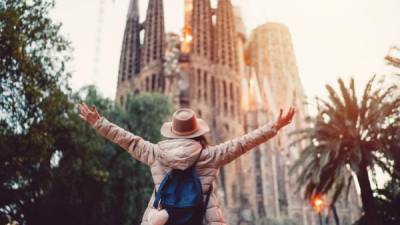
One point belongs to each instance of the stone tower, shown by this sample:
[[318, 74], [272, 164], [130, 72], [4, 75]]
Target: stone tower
[[200, 72], [227, 78], [229, 115], [272, 59], [151, 74], [271, 54], [201, 24], [129, 66]]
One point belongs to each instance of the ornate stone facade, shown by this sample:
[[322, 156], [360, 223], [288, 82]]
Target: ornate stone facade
[[277, 84], [129, 66], [236, 84]]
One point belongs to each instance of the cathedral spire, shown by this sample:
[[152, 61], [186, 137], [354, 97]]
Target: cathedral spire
[[133, 11], [201, 23], [225, 36], [154, 37], [130, 53]]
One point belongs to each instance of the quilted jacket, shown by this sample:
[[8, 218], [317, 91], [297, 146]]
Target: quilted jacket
[[182, 153]]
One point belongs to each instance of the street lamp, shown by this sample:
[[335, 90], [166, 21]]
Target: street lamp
[[318, 203]]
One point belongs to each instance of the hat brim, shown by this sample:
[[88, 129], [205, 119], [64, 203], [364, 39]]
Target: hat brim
[[166, 130]]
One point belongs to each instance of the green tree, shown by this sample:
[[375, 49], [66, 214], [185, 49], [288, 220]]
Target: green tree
[[53, 168], [96, 182], [350, 136], [32, 65], [388, 202], [32, 102]]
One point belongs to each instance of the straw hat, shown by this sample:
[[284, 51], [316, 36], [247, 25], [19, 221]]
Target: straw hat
[[184, 125]]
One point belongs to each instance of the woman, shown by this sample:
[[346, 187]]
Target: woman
[[185, 146]]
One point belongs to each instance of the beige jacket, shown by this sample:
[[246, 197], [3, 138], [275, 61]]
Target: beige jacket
[[182, 153]]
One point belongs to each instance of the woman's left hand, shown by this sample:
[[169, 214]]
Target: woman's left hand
[[286, 119]]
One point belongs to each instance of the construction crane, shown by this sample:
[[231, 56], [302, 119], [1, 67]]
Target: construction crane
[[98, 40]]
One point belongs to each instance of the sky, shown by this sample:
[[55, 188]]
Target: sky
[[331, 38]]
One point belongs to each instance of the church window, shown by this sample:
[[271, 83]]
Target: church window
[[198, 84], [224, 89], [205, 91], [154, 54], [225, 107], [225, 97], [153, 82], [121, 100], [238, 97], [231, 92], [213, 90], [234, 193], [147, 84]]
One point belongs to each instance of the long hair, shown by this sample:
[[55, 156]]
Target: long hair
[[202, 140]]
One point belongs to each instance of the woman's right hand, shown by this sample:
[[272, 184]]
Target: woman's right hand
[[286, 119], [90, 116]]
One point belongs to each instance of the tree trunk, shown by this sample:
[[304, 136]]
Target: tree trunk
[[367, 197]]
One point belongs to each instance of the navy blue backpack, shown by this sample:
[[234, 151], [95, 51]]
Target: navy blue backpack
[[180, 194]]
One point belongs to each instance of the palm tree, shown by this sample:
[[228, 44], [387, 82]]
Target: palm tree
[[391, 59], [350, 137]]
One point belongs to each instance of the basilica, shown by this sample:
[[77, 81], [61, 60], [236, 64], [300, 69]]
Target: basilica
[[236, 82]]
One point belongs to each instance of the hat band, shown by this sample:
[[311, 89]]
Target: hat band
[[180, 133]]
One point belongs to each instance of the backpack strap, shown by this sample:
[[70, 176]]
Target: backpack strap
[[157, 199], [207, 200], [198, 158]]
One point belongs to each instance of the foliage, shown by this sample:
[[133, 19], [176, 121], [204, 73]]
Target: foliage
[[90, 180], [393, 59], [32, 102], [350, 136], [55, 169], [98, 183], [388, 201], [32, 69], [388, 204]]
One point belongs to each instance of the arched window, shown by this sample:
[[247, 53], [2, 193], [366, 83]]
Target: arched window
[[231, 92], [238, 100], [121, 100], [213, 90], [224, 88], [205, 88], [153, 82], [232, 99], [147, 84], [234, 191], [198, 84]]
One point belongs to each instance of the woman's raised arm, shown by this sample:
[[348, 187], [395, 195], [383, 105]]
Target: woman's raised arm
[[140, 149], [230, 150]]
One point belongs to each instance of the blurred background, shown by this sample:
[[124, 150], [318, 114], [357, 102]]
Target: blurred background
[[236, 63]]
